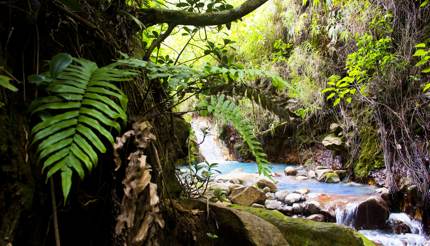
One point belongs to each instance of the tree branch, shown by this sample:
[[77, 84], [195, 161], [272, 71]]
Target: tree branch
[[180, 17], [158, 41]]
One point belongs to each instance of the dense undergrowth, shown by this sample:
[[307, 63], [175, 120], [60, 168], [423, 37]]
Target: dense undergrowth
[[281, 78]]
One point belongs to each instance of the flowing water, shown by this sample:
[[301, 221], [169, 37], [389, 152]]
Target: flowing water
[[343, 196], [211, 148]]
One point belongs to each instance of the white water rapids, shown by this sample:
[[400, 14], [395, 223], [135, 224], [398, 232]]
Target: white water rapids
[[346, 216]]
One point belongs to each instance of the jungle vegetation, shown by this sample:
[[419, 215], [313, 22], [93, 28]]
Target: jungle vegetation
[[80, 79]]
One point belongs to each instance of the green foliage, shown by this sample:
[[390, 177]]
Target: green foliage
[[424, 3], [5, 82], [371, 57], [281, 50], [219, 195], [82, 106], [423, 53], [204, 6], [195, 179], [179, 77], [227, 111], [370, 156]]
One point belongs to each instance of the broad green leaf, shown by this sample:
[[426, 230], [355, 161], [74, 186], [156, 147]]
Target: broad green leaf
[[55, 147], [84, 145], [75, 164], [55, 158], [92, 137], [66, 182], [53, 129], [5, 82], [59, 63], [94, 124], [82, 156], [56, 138], [54, 119], [420, 52], [57, 105], [426, 87]]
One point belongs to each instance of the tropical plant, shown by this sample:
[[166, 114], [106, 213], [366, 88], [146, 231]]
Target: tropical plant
[[5, 82], [225, 110], [423, 53], [83, 104], [196, 177], [372, 56]]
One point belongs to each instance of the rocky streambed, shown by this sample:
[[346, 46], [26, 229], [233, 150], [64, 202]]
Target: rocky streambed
[[317, 195]]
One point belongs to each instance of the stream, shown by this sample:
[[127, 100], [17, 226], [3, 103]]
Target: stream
[[345, 197]]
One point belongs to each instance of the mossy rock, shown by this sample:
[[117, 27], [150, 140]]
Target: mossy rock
[[303, 232], [331, 177], [370, 156]]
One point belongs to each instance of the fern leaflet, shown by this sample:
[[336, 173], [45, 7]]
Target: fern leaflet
[[226, 110]]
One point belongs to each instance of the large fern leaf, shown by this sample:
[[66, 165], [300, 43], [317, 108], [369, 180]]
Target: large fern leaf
[[225, 110], [83, 105]]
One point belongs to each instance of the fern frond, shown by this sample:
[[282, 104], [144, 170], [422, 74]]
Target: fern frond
[[267, 101], [227, 111], [84, 105]]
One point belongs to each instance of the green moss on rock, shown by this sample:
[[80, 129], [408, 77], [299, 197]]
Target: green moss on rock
[[303, 232], [370, 156]]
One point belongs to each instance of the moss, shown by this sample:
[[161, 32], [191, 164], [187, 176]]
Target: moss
[[331, 177], [370, 156], [303, 232], [366, 241]]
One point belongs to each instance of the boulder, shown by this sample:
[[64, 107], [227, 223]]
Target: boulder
[[248, 196], [293, 198], [235, 186], [238, 177], [233, 227], [290, 171], [237, 190], [303, 191], [225, 187], [332, 140], [316, 217], [280, 195], [306, 232], [273, 204], [400, 227], [329, 177], [270, 196], [371, 214], [312, 207], [297, 208], [320, 172], [334, 127], [266, 190], [265, 183], [384, 192], [287, 209]]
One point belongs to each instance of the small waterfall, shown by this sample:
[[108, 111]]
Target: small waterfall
[[211, 147], [346, 215], [415, 226]]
